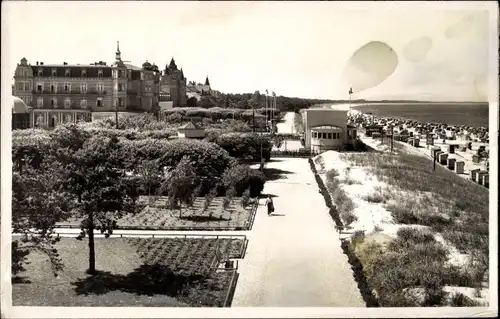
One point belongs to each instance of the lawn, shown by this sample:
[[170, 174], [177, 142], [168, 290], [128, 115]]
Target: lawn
[[162, 272], [158, 217]]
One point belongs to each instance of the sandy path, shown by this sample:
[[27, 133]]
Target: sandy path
[[295, 259], [287, 127]]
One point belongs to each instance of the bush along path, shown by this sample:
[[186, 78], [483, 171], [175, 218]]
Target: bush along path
[[366, 291]]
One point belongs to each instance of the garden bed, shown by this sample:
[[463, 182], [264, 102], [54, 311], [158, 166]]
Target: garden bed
[[132, 272], [157, 217], [381, 196]]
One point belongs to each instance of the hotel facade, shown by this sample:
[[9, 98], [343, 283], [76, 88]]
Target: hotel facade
[[59, 93]]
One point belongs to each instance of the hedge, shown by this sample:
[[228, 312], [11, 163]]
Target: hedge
[[245, 146]]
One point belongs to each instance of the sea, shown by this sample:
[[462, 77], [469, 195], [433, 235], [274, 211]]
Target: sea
[[461, 113]]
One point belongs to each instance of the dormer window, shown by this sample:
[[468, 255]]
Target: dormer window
[[99, 73], [66, 72], [53, 72], [84, 72]]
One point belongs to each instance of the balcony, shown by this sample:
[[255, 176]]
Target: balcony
[[72, 91], [95, 91]]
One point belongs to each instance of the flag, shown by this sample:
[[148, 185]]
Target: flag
[[267, 92], [350, 91]]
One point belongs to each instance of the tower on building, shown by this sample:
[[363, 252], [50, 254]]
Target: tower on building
[[118, 54]]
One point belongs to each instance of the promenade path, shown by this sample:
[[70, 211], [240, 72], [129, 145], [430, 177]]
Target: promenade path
[[295, 258]]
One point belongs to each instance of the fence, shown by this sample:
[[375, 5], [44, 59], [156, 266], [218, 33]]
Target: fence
[[143, 235], [301, 154], [232, 287]]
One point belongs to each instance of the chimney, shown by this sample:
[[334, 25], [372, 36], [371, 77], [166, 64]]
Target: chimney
[[36, 62], [65, 63], [41, 63]]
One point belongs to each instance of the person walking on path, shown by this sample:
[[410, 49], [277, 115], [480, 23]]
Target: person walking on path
[[270, 205]]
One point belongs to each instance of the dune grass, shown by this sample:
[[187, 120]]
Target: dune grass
[[415, 194]]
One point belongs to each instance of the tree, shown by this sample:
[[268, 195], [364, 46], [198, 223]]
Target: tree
[[245, 199], [38, 203], [149, 171], [192, 101], [256, 97], [181, 185], [278, 141], [209, 197], [206, 102], [230, 193], [101, 189]]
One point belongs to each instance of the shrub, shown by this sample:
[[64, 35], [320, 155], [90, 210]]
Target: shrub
[[331, 174], [226, 202], [412, 260], [208, 159], [342, 201], [209, 197], [245, 199], [174, 118], [460, 300], [358, 238], [348, 217], [243, 145], [243, 178], [402, 213], [331, 182], [375, 198]]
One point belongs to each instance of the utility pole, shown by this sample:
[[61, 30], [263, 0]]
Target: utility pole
[[116, 114], [253, 118], [392, 137]]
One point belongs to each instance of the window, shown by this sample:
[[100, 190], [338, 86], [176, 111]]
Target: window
[[39, 87], [313, 134], [53, 102], [120, 87], [99, 73], [99, 102], [39, 120], [53, 88], [120, 101], [27, 86], [83, 87], [28, 100], [84, 72], [67, 102], [40, 72], [39, 102], [83, 103], [67, 87], [67, 72], [100, 87], [330, 136], [53, 72]]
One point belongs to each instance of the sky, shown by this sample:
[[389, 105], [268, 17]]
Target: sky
[[302, 49]]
